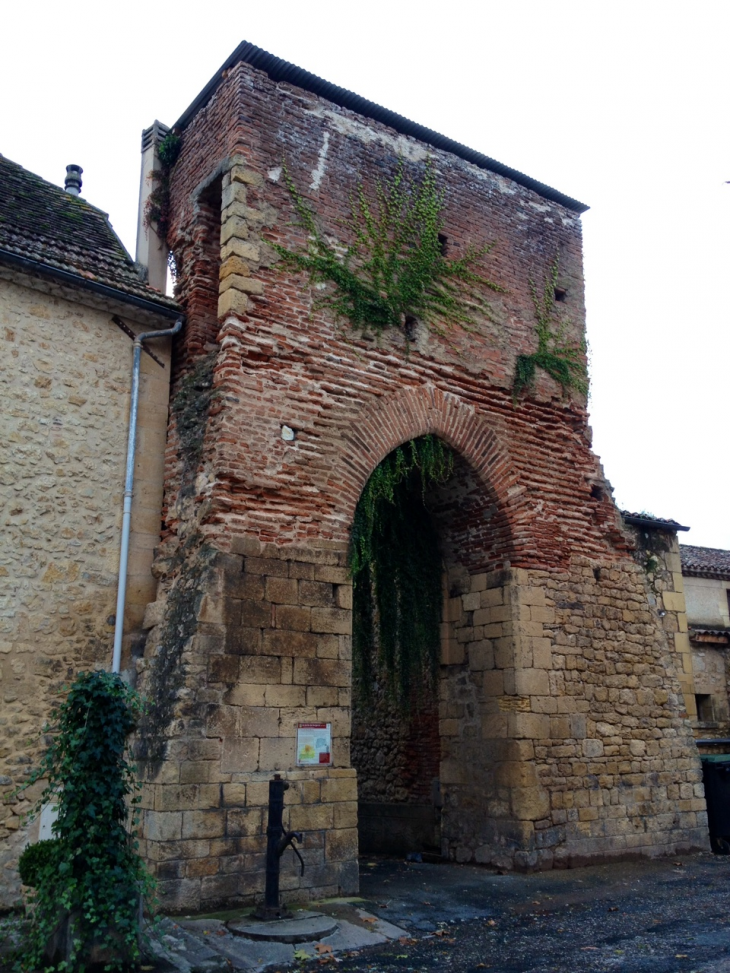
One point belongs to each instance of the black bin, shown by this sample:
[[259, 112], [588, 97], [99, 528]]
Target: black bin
[[716, 777]]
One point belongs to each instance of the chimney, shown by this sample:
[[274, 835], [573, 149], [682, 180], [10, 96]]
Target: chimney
[[151, 250], [73, 180]]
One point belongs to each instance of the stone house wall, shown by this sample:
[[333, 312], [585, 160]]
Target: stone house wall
[[563, 734], [65, 377]]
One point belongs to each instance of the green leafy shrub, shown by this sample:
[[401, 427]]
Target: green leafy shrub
[[34, 859], [395, 563], [91, 874], [395, 268]]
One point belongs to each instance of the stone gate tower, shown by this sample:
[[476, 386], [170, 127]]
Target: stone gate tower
[[561, 727]]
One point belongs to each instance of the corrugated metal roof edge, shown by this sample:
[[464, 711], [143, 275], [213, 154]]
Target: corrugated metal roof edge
[[279, 70]]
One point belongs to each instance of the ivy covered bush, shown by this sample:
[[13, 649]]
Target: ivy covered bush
[[396, 566], [89, 877]]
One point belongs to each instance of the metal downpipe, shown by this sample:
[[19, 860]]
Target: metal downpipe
[[128, 485]]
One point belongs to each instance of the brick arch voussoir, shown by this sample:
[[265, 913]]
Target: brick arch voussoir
[[415, 412]]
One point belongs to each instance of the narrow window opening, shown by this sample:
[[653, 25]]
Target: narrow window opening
[[597, 574], [596, 492], [560, 293], [410, 326], [443, 244], [705, 709]]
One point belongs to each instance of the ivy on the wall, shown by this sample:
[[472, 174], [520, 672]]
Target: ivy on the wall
[[561, 359], [90, 874], [396, 566], [394, 271], [157, 207]]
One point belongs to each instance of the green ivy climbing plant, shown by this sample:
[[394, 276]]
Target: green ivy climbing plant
[[396, 566], [90, 874], [157, 208], [562, 360], [394, 269]]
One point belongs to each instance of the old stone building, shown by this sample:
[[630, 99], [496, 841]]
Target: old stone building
[[706, 573], [71, 299], [559, 734]]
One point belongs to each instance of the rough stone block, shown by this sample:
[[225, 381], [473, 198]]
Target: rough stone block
[[311, 817], [285, 696], [292, 618], [321, 672], [277, 753], [341, 845], [343, 596], [335, 620], [342, 789], [232, 302], [163, 826], [283, 591], [316, 593], [244, 822], [290, 643], [240, 756], [203, 824]]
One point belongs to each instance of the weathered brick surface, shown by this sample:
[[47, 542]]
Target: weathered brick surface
[[558, 734]]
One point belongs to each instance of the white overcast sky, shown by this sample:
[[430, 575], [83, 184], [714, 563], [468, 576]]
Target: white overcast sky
[[623, 106]]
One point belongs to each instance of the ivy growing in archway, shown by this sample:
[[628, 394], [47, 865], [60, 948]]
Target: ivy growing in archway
[[395, 563]]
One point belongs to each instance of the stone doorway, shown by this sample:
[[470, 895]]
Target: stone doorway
[[398, 749]]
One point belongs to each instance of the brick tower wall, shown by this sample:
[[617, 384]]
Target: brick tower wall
[[562, 730]]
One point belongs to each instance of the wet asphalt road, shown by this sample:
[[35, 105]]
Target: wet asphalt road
[[671, 916]]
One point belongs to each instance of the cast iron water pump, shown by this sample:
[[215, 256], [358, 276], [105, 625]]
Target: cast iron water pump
[[277, 842]]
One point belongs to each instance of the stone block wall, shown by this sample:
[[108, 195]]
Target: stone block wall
[[271, 649], [65, 376], [564, 734]]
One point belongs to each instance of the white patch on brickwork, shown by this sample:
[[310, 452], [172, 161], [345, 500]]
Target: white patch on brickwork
[[318, 172], [274, 174], [407, 148]]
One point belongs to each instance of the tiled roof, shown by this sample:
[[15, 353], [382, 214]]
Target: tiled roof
[[42, 223], [649, 520], [705, 561]]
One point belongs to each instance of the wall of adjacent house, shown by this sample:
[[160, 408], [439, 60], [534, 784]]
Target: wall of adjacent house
[[707, 602], [65, 373]]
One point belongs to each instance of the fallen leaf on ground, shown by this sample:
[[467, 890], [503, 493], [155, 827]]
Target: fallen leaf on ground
[[613, 908], [301, 954], [369, 919], [491, 922], [323, 948], [681, 955], [679, 863], [589, 947]]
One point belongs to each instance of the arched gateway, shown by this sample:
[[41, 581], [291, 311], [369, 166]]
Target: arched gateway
[[561, 732]]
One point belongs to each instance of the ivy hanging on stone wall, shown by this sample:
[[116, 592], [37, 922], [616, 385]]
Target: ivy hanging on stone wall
[[562, 360], [394, 272], [396, 566], [89, 877]]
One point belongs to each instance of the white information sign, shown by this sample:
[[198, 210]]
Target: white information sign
[[314, 745]]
